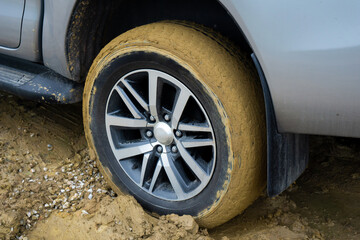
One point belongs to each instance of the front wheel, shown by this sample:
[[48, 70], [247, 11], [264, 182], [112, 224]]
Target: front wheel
[[177, 121]]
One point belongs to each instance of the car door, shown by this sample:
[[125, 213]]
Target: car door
[[11, 14]]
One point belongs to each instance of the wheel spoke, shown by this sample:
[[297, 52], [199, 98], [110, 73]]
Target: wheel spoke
[[138, 98], [190, 161], [153, 93], [118, 121], [130, 105], [132, 149], [172, 176], [194, 128], [143, 168], [193, 143], [139, 124], [155, 175], [179, 107]]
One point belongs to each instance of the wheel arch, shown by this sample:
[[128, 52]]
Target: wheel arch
[[93, 24]]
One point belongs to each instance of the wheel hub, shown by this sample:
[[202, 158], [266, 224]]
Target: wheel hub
[[160, 135], [163, 133]]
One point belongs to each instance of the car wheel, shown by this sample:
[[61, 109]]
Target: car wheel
[[175, 118]]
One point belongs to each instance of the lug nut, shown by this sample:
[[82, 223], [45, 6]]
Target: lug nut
[[178, 133], [167, 117], [159, 149], [152, 118], [149, 133], [174, 149]]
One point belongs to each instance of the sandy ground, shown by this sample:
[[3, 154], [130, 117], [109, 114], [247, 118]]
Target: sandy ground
[[50, 188], [322, 204]]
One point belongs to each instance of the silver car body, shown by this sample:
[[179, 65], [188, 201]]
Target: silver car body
[[309, 51]]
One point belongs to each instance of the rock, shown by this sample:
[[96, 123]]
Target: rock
[[84, 212], [66, 205], [186, 221], [50, 147]]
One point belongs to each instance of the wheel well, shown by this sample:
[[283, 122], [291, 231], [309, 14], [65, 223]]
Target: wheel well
[[95, 23]]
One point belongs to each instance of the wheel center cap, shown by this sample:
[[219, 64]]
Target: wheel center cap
[[163, 133]]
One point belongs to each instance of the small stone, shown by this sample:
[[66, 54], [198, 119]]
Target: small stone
[[66, 205], [84, 212], [32, 170], [77, 157], [90, 196], [50, 147], [73, 197]]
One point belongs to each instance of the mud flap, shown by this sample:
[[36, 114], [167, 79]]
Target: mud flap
[[287, 154]]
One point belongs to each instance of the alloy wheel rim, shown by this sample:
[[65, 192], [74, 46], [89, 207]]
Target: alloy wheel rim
[[160, 135]]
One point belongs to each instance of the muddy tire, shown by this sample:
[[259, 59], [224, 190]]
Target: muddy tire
[[176, 119]]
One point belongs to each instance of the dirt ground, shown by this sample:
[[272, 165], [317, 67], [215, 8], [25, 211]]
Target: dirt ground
[[50, 188]]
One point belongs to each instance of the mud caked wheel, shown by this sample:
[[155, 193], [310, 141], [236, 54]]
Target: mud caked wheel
[[176, 120]]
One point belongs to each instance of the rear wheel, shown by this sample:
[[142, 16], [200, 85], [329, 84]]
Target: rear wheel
[[176, 120]]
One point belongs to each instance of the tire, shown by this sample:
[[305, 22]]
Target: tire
[[212, 171]]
